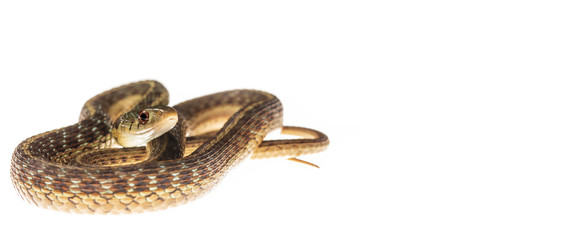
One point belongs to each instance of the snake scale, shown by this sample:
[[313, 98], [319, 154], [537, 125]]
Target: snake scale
[[77, 169]]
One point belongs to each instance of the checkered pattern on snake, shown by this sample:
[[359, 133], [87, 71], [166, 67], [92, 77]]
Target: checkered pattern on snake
[[44, 172]]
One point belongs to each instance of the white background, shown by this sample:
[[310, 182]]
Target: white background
[[447, 119]]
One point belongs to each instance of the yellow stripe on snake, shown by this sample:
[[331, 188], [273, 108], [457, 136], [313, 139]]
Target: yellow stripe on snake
[[189, 148]]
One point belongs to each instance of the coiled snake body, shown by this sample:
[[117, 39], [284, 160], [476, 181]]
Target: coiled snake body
[[57, 169]]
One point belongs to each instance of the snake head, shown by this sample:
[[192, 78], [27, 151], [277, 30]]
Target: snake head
[[136, 128]]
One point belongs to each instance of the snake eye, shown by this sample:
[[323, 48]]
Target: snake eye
[[143, 117]]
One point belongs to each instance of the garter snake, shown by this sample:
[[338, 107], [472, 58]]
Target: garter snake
[[76, 168]]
